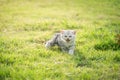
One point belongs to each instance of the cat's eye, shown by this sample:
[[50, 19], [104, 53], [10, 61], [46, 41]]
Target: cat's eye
[[65, 36], [70, 36]]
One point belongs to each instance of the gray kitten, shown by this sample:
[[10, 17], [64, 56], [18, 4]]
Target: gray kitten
[[65, 40]]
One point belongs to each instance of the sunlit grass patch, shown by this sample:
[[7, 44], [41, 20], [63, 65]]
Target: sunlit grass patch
[[11, 45]]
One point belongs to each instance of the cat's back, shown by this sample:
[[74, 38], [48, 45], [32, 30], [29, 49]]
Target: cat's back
[[57, 34], [56, 38]]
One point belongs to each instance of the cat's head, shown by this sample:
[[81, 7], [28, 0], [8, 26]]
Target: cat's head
[[68, 35]]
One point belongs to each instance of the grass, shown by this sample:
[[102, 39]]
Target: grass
[[26, 24]]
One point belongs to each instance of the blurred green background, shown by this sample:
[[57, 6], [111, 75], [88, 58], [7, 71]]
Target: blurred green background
[[26, 24]]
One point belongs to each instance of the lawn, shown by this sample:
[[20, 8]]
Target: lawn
[[25, 25]]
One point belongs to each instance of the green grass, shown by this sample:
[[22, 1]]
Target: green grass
[[26, 24]]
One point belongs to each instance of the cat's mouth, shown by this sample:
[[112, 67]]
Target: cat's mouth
[[68, 40]]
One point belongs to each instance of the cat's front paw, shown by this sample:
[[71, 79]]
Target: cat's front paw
[[47, 45], [71, 52]]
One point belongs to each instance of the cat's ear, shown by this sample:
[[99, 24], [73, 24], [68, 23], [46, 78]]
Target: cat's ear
[[62, 31], [74, 32]]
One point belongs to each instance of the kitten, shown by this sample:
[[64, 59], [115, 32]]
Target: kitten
[[65, 40]]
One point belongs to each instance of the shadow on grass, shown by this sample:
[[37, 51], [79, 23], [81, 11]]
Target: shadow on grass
[[117, 58], [110, 45], [55, 49], [81, 60]]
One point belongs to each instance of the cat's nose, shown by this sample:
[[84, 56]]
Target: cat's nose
[[67, 40]]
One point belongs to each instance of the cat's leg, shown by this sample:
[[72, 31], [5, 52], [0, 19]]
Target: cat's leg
[[71, 50], [63, 49], [51, 42]]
